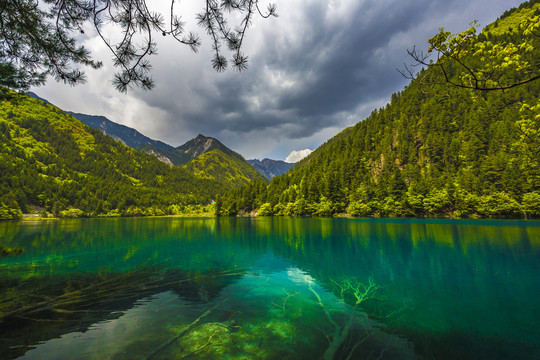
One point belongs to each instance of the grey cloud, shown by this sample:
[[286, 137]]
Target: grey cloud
[[312, 72], [347, 74], [353, 74], [336, 65]]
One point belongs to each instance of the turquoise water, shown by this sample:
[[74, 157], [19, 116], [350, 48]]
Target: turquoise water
[[270, 288]]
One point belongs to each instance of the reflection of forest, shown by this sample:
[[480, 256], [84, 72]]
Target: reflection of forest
[[45, 308]]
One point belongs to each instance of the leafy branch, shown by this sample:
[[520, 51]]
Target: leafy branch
[[470, 61]]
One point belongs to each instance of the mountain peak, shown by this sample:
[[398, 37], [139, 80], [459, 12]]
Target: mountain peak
[[270, 168], [202, 144]]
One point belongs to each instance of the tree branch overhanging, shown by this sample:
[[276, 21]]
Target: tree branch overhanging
[[39, 38], [470, 61]]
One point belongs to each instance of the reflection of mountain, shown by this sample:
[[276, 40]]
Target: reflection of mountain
[[442, 280]]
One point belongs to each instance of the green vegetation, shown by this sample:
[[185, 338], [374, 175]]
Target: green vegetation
[[50, 159], [432, 151], [219, 166], [131, 137], [9, 208], [503, 56]]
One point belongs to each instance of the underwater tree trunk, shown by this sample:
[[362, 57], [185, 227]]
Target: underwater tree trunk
[[360, 293], [340, 335]]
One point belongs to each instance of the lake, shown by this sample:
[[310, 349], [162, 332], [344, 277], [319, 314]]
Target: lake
[[270, 288]]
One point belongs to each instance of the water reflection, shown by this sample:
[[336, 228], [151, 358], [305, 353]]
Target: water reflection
[[453, 289]]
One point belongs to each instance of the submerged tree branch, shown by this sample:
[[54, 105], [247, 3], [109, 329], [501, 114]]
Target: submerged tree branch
[[182, 333]]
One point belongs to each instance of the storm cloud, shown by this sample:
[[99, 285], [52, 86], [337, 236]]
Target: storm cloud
[[318, 68]]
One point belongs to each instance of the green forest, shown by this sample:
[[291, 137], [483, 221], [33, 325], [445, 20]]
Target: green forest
[[51, 162], [436, 149]]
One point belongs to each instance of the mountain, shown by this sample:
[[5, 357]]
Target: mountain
[[128, 136], [438, 151], [219, 163], [35, 96], [227, 166], [50, 159], [213, 160], [220, 166], [270, 168], [202, 144], [133, 138]]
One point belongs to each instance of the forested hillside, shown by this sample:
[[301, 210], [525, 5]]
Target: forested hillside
[[51, 160], [219, 166], [434, 150]]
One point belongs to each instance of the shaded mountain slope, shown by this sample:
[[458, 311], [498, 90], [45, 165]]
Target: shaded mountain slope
[[270, 168], [133, 138]]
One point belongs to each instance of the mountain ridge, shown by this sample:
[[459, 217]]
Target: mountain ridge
[[202, 144], [182, 155], [164, 152], [133, 138], [270, 168]]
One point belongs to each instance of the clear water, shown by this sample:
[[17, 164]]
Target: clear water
[[270, 288]]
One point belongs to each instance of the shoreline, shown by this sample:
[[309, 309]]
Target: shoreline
[[36, 218]]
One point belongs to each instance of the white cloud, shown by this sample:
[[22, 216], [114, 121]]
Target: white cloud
[[297, 155]]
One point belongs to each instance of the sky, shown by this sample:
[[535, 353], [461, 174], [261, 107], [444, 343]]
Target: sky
[[321, 66]]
